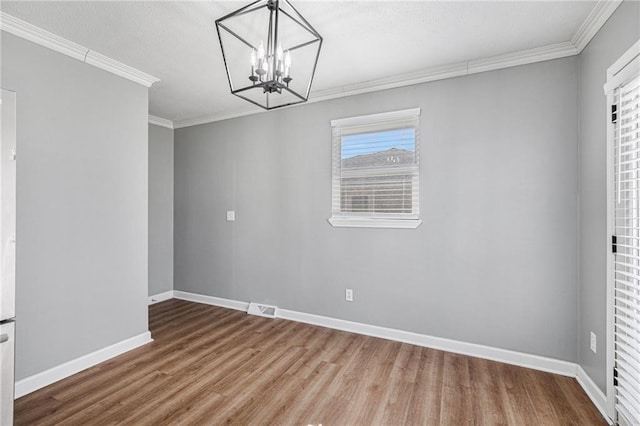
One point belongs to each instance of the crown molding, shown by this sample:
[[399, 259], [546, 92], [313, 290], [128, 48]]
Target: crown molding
[[178, 124], [594, 21], [523, 57], [118, 68], [34, 34], [22, 29], [159, 121], [424, 76]]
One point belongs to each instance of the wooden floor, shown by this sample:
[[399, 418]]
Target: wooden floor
[[211, 365]]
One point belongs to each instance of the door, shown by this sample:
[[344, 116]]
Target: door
[[7, 204], [625, 297]]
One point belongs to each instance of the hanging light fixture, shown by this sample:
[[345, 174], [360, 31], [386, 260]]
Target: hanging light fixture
[[270, 53]]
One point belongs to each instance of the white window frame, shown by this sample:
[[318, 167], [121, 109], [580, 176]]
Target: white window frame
[[338, 219], [617, 74]]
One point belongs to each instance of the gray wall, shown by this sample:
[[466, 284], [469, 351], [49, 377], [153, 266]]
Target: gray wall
[[617, 35], [82, 206], [495, 261], [160, 209]]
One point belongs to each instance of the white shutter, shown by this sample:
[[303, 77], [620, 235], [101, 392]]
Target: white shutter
[[375, 167], [627, 258]]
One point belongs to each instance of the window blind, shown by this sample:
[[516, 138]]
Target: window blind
[[627, 258], [375, 162]]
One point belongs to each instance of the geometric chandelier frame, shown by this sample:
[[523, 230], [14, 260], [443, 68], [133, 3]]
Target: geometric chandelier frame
[[270, 53]]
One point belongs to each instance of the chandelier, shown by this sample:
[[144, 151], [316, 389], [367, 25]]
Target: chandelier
[[270, 53]]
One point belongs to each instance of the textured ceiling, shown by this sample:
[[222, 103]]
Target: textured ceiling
[[363, 40]]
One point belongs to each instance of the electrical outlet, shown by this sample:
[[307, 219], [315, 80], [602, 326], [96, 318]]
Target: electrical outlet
[[593, 342], [231, 215], [348, 295]]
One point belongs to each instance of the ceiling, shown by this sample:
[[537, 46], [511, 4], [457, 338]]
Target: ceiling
[[363, 40]]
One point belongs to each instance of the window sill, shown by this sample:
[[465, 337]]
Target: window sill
[[351, 222]]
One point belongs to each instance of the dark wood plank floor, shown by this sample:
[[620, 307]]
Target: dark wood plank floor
[[211, 365]]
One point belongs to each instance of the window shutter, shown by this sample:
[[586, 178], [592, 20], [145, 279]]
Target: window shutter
[[375, 162], [627, 259]]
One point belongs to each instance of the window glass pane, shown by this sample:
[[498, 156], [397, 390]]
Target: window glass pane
[[387, 193], [379, 149]]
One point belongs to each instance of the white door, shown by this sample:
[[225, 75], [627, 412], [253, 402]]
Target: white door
[[7, 204], [625, 120]]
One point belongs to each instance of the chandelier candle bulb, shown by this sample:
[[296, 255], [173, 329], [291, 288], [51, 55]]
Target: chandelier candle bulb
[[279, 53], [253, 62], [262, 67], [261, 60], [287, 63], [268, 67], [261, 51]]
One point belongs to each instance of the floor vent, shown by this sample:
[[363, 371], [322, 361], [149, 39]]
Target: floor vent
[[262, 310]]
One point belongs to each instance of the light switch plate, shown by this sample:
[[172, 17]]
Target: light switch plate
[[231, 215]]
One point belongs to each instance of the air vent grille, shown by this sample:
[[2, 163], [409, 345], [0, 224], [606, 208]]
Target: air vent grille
[[262, 310]]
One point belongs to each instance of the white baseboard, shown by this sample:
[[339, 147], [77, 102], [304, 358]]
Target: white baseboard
[[535, 362], [45, 378], [160, 297], [521, 359], [593, 392], [210, 300]]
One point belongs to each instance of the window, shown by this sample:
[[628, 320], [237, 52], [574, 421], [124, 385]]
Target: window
[[375, 178]]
